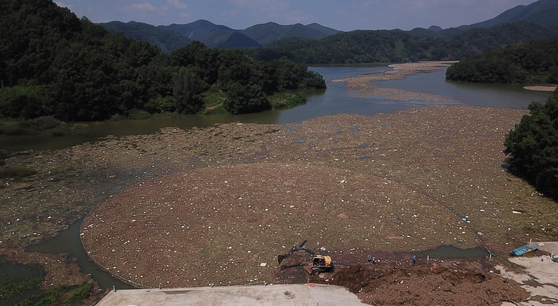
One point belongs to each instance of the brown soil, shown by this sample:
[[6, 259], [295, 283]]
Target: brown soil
[[456, 284]]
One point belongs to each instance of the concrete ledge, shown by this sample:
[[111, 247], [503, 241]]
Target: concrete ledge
[[271, 295]]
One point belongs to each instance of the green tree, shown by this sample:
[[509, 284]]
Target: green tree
[[246, 99], [186, 93], [532, 147]]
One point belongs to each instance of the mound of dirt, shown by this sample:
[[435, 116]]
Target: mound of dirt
[[455, 285]]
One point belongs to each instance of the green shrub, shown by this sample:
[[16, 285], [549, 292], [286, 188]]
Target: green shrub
[[160, 104], [117, 117], [215, 111], [43, 123], [286, 100], [80, 293], [27, 127], [136, 114], [212, 97]]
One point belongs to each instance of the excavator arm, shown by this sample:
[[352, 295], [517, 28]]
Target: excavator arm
[[294, 249]]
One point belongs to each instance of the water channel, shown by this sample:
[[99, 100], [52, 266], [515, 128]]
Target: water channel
[[334, 100]]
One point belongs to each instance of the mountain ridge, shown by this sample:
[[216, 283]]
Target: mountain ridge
[[542, 12]]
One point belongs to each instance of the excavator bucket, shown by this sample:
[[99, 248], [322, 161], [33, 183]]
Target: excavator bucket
[[280, 258]]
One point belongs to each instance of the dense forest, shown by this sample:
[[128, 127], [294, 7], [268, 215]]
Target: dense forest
[[533, 62], [55, 64], [532, 147], [401, 46]]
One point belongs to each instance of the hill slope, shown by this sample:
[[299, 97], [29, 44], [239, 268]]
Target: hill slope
[[165, 39], [367, 46], [216, 36], [542, 12], [197, 30], [270, 32], [532, 62]]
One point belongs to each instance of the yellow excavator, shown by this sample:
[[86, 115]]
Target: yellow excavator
[[319, 263]]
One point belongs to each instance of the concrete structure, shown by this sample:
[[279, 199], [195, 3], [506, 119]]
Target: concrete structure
[[270, 295]]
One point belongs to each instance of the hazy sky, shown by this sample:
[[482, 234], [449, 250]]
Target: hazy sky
[[345, 15]]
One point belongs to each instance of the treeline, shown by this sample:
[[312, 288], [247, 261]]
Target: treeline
[[401, 46], [533, 62], [532, 147], [54, 64]]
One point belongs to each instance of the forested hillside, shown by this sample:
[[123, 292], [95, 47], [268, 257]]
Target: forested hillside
[[542, 12], [166, 40], [271, 31], [533, 62], [212, 35], [54, 64], [400, 46]]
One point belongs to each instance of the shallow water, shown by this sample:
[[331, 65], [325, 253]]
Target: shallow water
[[9, 271], [68, 241], [451, 252]]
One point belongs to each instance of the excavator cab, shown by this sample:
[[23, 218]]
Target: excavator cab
[[321, 264], [321, 261]]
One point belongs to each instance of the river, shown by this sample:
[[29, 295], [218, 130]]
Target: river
[[334, 100], [319, 103]]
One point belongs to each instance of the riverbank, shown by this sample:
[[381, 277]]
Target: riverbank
[[541, 88]]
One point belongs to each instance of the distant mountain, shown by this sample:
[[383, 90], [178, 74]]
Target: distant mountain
[[166, 40], [198, 30], [229, 40], [542, 12], [436, 32], [539, 17], [212, 35], [173, 36], [270, 32], [435, 28], [369, 46], [321, 28]]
